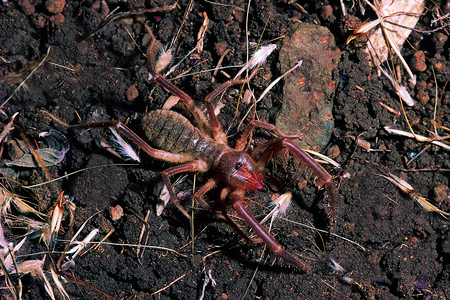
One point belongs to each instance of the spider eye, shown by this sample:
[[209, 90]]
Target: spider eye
[[238, 165]]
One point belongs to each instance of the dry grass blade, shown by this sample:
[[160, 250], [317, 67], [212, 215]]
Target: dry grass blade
[[324, 159], [81, 245], [7, 197], [10, 259], [48, 287], [327, 232], [418, 137], [170, 284], [32, 227], [401, 90], [409, 190], [58, 283], [280, 204], [35, 268], [201, 33], [8, 127], [120, 15], [55, 217], [123, 148], [3, 243]]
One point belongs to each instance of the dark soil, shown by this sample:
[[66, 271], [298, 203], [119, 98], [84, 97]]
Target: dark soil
[[393, 249]]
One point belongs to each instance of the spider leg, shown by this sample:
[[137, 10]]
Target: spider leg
[[203, 124], [272, 147], [193, 166], [236, 227], [242, 142], [159, 154], [238, 205], [194, 110], [203, 190], [217, 131]]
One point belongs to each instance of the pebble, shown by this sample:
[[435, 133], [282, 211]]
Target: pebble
[[116, 212], [418, 62], [220, 47], [441, 193], [55, 6], [326, 13], [27, 7], [421, 93], [57, 19], [239, 15], [333, 152], [132, 93], [439, 39]]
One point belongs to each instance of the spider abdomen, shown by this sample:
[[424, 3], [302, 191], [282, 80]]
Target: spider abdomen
[[169, 131]]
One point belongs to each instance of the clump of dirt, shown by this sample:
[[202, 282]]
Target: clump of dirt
[[386, 245]]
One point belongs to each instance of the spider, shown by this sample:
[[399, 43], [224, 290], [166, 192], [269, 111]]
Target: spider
[[205, 148]]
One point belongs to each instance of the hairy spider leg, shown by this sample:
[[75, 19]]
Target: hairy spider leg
[[242, 142], [193, 109], [155, 153], [217, 131], [203, 190], [223, 205], [193, 166], [272, 147], [237, 201]]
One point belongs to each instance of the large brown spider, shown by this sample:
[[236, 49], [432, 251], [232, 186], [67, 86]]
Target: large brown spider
[[206, 149]]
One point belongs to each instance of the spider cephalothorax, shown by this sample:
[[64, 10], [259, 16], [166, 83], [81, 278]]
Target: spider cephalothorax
[[239, 171]]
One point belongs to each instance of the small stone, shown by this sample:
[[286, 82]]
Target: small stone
[[374, 257], [40, 20], [439, 39], [326, 13], [239, 15], [132, 93], [418, 62], [441, 193], [333, 152], [55, 6], [116, 212], [220, 47], [421, 92], [423, 97], [27, 7], [57, 19], [420, 85]]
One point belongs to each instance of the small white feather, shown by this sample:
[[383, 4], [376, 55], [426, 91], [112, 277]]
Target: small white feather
[[124, 148]]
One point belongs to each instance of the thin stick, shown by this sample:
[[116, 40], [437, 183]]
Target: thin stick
[[324, 231], [219, 63], [166, 287], [121, 15], [73, 173]]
